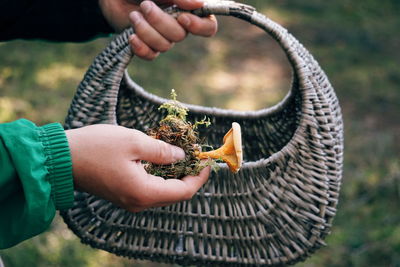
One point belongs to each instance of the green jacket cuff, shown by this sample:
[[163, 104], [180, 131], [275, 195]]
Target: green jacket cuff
[[59, 164]]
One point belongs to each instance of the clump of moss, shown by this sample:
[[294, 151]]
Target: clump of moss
[[176, 130]]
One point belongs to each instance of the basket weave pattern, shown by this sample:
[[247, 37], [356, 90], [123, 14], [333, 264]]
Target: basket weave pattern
[[276, 210]]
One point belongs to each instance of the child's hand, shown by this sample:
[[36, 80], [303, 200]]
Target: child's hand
[[107, 163], [156, 31]]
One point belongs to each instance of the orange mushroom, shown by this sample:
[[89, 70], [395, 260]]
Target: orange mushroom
[[230, 151]]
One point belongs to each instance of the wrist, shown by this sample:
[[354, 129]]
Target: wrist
[[73, 139]]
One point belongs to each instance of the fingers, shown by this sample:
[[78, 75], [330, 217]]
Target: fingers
[[157, 31], [146, 148], [175, 190], [163, 23], [206, 27], [149, 34], [153, 191], [141, 49]]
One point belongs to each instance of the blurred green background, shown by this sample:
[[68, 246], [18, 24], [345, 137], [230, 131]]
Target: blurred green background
[[355, 41]]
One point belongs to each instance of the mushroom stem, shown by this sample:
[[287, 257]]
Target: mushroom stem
[[231, 150]]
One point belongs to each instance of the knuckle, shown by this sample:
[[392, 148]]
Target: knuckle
[[164, 150], [136, 147]]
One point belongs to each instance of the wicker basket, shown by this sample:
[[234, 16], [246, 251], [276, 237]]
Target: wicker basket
[[275, 211]]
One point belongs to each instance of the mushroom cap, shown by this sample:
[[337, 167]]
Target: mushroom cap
[[230, 151], [236, 133], [237, 140]]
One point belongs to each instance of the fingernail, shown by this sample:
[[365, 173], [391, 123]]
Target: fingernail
[[146, 6], [135, 17], [184, 20], [178, 153]]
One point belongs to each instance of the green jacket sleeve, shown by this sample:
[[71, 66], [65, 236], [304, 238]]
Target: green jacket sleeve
[[35, 179]]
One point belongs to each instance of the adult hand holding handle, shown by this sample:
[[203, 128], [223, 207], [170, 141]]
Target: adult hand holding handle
[[155, 30]]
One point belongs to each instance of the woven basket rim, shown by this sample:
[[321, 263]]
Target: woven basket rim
[[215, 111]]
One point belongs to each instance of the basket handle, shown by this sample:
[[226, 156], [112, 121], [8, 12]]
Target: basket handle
[[224, 7], [96, 98]]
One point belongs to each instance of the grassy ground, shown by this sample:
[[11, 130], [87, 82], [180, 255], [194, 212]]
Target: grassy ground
[[356, 43]]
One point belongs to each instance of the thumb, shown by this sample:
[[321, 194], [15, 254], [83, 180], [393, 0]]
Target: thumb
[[157, 151]]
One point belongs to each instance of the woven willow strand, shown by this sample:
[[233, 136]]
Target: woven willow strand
[[277, 210]]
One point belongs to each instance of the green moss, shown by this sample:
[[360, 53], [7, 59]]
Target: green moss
[[176, 130]]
